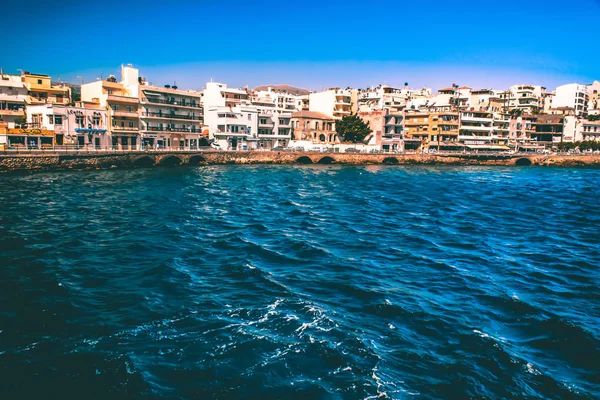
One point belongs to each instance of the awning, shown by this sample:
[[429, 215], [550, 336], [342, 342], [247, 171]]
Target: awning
[[89, 130]]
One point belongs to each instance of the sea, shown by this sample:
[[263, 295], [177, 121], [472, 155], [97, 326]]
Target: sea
[[300, 282]]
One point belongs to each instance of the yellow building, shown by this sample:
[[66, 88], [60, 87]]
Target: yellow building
[[416, 130], [41, 91], [443, 127]]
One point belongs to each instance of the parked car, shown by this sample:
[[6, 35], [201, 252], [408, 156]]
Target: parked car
[[352, 150]]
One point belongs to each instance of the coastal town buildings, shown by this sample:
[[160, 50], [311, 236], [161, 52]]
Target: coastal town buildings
[[526, 98], [79, 125], [571, 96], [334, 102], [313, 128], [13, 99], [593, 91], [132, 114], [122, 105], [40, 90], [591, 130], [170, 117]]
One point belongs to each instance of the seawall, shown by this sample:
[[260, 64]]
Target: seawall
[[102, 159]]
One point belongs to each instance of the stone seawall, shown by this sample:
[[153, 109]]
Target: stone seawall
[[102, 160]]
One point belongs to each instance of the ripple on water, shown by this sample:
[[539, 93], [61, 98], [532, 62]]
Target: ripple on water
[[307, 282]]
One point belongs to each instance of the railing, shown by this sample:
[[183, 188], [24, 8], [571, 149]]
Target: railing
[[173, 103], [172, 116], [125, 128], [165, 129]]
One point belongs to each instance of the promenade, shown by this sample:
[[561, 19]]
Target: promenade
[[66, 159]]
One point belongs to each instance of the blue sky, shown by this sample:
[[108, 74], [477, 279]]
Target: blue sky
[[308, 43]]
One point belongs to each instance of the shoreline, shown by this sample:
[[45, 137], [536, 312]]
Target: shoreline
[[91, 160]]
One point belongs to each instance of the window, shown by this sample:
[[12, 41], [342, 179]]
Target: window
[[39, 81], [249, 117], [96, 120], [59, 98], [58, 120], [79, 120], [131, 124], [129, 109], [51, 119]]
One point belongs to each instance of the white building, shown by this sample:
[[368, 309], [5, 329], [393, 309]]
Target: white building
[[477, 130], [334, 102], [233, 128], [572, 96], [72, 125], [525, 97], [13, 96]]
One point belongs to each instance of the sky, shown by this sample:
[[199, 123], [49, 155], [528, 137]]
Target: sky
[[310, 44]]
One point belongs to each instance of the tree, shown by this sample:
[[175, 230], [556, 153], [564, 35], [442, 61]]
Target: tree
[[535, 110], [20, 121], [352, 128], [515, 112]]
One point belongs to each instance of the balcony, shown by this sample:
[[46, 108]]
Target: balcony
[[171, 103], [344, 112], [476, 128], [160, 115], [167, 129], [476, 119], [12, 112], [274, 136], [469, 137], [266, 125], [122, 99], [131, 114], [124, 129]]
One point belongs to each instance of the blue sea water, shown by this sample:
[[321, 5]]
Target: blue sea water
[[312, 282]]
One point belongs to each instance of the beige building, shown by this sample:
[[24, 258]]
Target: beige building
[[314, 127], [122, 107], [41, 91]]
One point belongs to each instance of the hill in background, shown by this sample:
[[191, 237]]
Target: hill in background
[[285, 88]]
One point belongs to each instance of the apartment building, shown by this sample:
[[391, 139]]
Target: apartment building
[[444, 126], [283, 102], [334, 102], [393, 132], [81, 125], [416, 129], [551, 129], [477, 130], [590, 130], [41, 91], [122, 105], [572, 96], [593, 91], [170, 117], [13, 98], [274, 119], [527, 98]]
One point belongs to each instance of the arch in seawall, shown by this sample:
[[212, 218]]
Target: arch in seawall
[[523, 162], [144, 161], [304, 160], [326, 160], [196, 159], [170, 161], [390, 161]]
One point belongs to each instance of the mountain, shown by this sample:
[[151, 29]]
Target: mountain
[[75, 89], [285, 88]]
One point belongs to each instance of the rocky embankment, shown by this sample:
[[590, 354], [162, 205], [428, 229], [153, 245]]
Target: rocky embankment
[[102, 160]]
